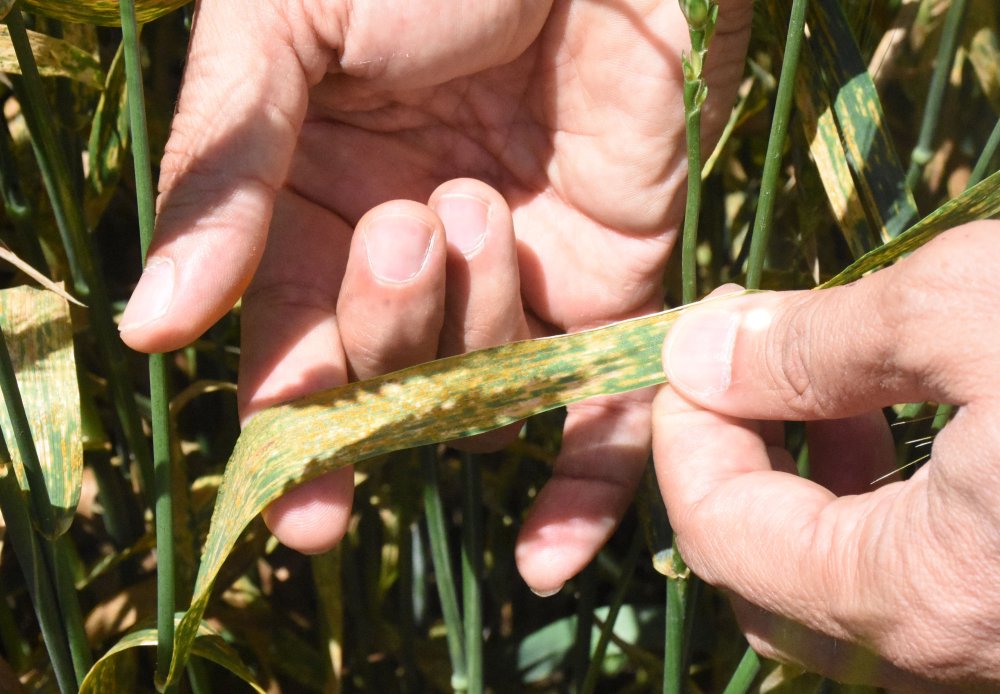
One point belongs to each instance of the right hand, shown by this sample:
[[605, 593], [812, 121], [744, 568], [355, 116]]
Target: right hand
[[896, 585]]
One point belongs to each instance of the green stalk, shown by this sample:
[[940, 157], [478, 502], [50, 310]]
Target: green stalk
[[586, 598], [746, 673], [678, 599], [472, 570], [923, 151], [69, 606], [328, 579], [986, 157], [438, 535], [37, 577], [159, 400], [776, 144], [701, 16], [692, 206], [607, 629], [88, 284]]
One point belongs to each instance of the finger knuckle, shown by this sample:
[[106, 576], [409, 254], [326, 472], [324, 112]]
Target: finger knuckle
[[792, 358]]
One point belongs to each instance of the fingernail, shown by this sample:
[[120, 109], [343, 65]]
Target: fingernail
[[151, 297], [397, 246], [548, 593], [698, 355], [466, 219]]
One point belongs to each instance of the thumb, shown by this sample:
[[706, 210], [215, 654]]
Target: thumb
[[240, 110], [895, 336]]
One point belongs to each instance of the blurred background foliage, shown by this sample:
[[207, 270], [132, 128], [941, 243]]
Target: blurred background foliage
[[366, 616]]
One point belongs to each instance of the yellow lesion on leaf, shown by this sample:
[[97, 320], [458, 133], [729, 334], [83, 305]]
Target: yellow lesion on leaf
[[100, 12]]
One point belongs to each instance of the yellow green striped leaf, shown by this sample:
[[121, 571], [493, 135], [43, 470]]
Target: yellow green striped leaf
[[438, 401], [111, 672], [101, 12], [55, 58], [827, 150], [39, 336], [819, 124], [871, 155], [982, 201]]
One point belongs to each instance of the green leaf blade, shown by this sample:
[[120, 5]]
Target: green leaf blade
[[106, 675]]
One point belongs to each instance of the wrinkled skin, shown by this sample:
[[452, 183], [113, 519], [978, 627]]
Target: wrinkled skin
[[336, 164], [895, 585]]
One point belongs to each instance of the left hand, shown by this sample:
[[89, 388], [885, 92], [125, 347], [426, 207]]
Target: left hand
[[333, 115]]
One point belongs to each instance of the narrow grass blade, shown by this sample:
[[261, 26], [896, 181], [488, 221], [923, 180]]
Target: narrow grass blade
[[861, 120], [985, 163], [36, 575], [101, 12], [472, 572], [438, 401], [982, 201], [104, 676], [607, 629], [40, 340], [437, 533], [109, 140], [54, 57], [327, 577], [745, 674]]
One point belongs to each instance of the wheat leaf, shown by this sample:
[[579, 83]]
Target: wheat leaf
[[101, 12], [55, 58], [861, 120], [37, 325], [109, 673], [982, 201], [438, 401]]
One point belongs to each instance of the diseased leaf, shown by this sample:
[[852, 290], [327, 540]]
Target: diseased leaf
[[870, 153], [39, 336], [982, 201], [101, 12], [55, 58], [446, 399], [104, 676], [831, 159]]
